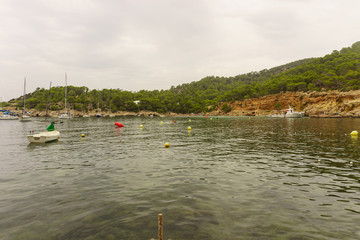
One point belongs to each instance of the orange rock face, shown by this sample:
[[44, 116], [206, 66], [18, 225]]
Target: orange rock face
[[314, 104]]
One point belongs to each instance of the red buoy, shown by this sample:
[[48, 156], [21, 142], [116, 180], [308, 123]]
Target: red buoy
[[119, 124]]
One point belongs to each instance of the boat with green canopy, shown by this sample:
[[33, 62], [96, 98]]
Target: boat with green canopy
[[44, 137]]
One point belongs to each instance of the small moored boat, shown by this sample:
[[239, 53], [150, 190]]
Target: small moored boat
[[7, 116], [64, 116], [290, 113], [44, 137], [25, 118]]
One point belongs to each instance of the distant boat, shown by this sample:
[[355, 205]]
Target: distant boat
[[24, 117], [65, 115], [86, 116], [289, 113], [44, 137], [8, 116]]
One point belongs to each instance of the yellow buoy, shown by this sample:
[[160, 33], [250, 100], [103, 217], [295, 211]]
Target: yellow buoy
[[189, 120], [167, 145], [161, 122], [82, 135], [354, 133], [141, 126], [189, 128]]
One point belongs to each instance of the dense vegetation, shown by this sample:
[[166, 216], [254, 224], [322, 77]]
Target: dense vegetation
[[339, 70]]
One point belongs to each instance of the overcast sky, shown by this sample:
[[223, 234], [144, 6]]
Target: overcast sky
[[156, 44]]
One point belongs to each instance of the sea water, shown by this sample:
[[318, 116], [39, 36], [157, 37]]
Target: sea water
[[227, 178]]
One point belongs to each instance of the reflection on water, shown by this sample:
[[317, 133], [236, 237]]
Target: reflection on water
[[227, 178]]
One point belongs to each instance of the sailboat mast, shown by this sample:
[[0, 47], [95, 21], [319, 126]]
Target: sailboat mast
[[65, 91], [47, 105], [24, 95]]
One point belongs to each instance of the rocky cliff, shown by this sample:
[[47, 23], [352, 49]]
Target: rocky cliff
[[314, 104]]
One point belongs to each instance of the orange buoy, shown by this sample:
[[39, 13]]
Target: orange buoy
[[119, 124]]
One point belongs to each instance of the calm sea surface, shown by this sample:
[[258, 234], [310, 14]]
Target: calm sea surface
[[227, 178]]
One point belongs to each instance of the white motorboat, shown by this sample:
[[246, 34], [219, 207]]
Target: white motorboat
[[290, 113], [44, 137]]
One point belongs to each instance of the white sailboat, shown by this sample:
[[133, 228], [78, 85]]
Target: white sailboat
[[65, 115], [24, 117]]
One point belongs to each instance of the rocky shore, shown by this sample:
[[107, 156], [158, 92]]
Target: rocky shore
[[329, 104], [315, 104]]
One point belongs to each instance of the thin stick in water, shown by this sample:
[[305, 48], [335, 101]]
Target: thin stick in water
[[160, 224]]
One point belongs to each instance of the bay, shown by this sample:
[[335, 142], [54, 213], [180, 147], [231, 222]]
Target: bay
[[227, 178]]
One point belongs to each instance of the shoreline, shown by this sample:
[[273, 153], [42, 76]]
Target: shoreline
[[76, 114], [326, 104]]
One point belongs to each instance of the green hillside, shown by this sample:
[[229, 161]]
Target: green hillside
[[339, 70]]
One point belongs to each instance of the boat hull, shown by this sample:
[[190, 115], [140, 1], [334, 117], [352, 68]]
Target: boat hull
[[8, 117], [64, 116], [44, 137], [277, 116], [294, 115], [25, 119]]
